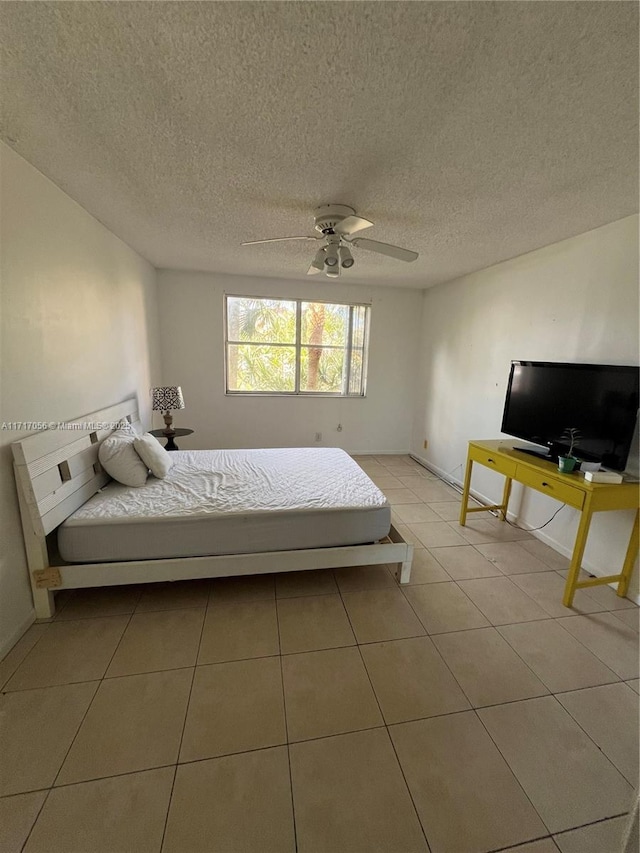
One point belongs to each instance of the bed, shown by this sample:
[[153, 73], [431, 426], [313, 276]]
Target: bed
[[217, 514]]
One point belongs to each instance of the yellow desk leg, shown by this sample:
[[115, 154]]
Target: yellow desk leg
[[465, 493], [630, 558], [578, 552], [505, 497]]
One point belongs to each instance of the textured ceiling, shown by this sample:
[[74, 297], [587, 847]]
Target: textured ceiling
[[470, 132]]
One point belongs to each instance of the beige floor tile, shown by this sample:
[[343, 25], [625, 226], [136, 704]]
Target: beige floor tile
[[609, 715], [512, 558], [118, 814], [545, 845], [487, 668], [566, 777], [426, 569], [603, 837], [630, 618], [547, 555], [72, 652], [411, 680], [634, 684], [501, 601], [416, 513], [354, 578], [372, 466], [557, 658], [615, 643], [547, 589], [436, 534], [328, 693], [400, 496], [603, 595], [349, 795], [178, 595], [408, 535], [134, 723], [17, 816], [480, 531], [234, 630], [447, 510], [20, 650], [430, 491], [100, 601], [313, 582], [236, 804], [444, 607], [313, 622], [381, 614], [463, 562], [608, 599], [37, 728], [166, 639], [393, 460], [243, 588], [385, 481], [466, 796], [402, 471], [234, 707]]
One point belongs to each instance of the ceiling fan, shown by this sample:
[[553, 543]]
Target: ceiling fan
[[336, 223]]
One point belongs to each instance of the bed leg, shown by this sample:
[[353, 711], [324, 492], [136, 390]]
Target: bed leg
[[403, 572], [43, 602]]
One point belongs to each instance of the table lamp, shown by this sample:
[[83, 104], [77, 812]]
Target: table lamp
[[166, 400]]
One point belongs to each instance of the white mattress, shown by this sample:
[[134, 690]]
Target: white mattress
[[231, 502]]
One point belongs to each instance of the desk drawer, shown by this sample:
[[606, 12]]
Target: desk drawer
[[552, 486], [499, 463]]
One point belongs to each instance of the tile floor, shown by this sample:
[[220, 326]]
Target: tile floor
[[331, 712]]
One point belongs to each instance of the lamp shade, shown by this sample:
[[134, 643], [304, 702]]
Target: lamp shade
[[167, 398]]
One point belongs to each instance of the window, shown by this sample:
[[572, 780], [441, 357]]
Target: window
[[290, 346]]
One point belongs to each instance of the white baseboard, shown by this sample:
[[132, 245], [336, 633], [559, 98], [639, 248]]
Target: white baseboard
[[9, 642], [597, 571]]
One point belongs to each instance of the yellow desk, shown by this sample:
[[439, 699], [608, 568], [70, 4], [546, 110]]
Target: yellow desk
[[571, 489]]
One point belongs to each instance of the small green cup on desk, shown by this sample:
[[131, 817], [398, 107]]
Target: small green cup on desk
[[566, 464]]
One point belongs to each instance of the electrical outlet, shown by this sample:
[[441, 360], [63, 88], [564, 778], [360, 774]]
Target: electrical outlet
[[318, 436], [426, 444]]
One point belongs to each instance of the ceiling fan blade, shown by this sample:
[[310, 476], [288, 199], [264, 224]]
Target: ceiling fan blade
[[385, 249], [313, 270], [277, 240], [351, 224]]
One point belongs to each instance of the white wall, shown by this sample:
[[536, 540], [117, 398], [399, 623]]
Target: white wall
[[573, 301], [191, 322], [78, 332]]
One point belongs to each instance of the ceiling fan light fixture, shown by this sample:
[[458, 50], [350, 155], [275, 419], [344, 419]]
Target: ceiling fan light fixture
[[318, 261], [331, 257], [333, 272], [346, 258]]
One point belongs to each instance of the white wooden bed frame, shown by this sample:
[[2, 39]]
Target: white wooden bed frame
[[57, 471]]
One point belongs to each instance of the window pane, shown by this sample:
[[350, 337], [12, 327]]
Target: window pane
[[270, 321], [261, 368], [359, 325], [324, 324], [321, 370], [355, 377]]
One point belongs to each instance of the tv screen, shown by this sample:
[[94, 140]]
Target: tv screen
[[599, 400]]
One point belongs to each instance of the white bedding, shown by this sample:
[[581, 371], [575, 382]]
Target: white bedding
[[231, 501]]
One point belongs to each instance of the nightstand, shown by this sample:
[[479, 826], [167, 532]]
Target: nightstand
[[170, 445]]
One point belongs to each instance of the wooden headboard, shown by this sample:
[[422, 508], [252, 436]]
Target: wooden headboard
[[57, 470]]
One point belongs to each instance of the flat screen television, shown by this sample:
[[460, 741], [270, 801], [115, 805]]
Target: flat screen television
[[600, 400]]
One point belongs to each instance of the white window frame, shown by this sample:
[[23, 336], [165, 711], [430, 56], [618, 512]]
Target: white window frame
[[298, 346]]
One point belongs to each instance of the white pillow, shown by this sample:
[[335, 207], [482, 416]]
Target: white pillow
[[119, 459], [153, 455]]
